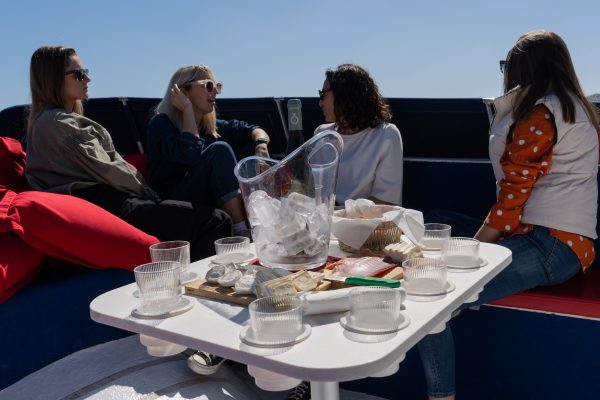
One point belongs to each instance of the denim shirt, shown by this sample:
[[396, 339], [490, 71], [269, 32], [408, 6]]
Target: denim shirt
[[171, 153], [238, 134]]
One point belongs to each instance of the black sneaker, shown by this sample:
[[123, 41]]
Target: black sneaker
[[300, 392], [204, 363]]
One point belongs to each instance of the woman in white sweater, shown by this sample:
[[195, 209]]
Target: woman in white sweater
[[371, 163]]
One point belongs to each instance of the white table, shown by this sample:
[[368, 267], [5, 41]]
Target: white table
[[327, 357]]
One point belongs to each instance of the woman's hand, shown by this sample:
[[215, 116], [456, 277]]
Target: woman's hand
[[182, 103], [261, 141], [179, 100], [487, 234], [261, 150]]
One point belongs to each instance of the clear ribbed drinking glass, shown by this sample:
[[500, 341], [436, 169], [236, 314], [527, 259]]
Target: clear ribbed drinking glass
[[232, 249], [159, 286], [461, 252], [435, 235], [276, 319], [374, 309], [175, 250], [424, 276]]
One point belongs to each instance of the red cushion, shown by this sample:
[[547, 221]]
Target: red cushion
[[579, 296], [74, 230], [19, 264], [139, 162], [12, 163]]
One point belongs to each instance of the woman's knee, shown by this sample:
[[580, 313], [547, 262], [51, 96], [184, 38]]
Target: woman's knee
[[220, 151]]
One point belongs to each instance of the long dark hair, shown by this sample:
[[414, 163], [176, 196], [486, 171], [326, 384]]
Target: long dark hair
[[357, 101], [540, 62], [47, 80]]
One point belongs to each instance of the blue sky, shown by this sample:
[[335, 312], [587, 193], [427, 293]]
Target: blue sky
[[416, 48]]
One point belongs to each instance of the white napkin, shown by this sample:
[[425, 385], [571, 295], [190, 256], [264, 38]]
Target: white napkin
[[326, 302], [361, 217], [333, 300]]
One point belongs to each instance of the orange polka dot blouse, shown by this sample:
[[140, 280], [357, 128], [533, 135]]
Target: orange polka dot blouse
[[527, 157]]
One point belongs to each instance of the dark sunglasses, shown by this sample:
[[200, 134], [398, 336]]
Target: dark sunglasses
[[502, 66], [322, 93], [80, 74]]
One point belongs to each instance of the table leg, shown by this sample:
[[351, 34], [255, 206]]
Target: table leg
[[324, 390]]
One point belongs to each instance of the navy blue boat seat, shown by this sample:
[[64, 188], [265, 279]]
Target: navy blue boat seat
[[49, 319], [262, 111]]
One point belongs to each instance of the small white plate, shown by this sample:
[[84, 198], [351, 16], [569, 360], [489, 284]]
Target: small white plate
[[247, 336], [189, 276], [237, 258], [404, 321], [184, 304], [449, 288], [480, 263]]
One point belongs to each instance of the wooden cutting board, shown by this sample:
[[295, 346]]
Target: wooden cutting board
[[214, 291], [202, 288]]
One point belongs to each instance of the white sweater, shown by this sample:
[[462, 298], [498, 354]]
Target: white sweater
[[370, 165], [566, 198]]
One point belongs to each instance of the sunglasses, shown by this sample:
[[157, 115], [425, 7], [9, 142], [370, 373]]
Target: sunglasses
[[322, 93], [502, 66], [80, 74], [209, 84]]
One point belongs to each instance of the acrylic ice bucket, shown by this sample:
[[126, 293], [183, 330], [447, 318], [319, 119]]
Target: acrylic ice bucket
[[290, 202]]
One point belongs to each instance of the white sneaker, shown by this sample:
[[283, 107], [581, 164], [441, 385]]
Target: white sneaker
[[204, 363]]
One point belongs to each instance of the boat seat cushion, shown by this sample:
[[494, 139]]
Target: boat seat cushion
[[579, 297], [139, 162], [19, 264], [74, 230], [12, 163]]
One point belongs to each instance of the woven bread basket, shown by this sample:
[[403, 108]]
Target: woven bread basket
[[387, 232]]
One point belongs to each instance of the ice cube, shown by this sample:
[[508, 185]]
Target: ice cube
[[262, 209], [318, 221], [266, 234], [296, 243], [315, 247], [291, 224], [301, 204], [273, 250]]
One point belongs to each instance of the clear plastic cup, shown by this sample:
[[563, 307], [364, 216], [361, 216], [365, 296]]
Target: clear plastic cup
[[175, 250], [233, 249], [461, 252], [374, 309], [424, 276], [276, 319], [435, 235], [159, 287]]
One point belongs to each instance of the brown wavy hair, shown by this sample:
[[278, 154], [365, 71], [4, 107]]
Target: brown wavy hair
[[541, 63], [47, 80], [357, 101]]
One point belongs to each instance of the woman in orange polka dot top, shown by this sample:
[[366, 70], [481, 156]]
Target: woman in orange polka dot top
[[544, 151]]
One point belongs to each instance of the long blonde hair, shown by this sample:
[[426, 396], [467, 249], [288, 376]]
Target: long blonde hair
[[47, 80], [182, 77]]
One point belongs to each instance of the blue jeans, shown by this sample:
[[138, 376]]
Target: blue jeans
[[538, 259], [211, 180]]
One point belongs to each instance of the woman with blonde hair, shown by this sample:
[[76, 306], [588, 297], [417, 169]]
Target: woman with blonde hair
[[544, 151], [191, 152], [71, 154]]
